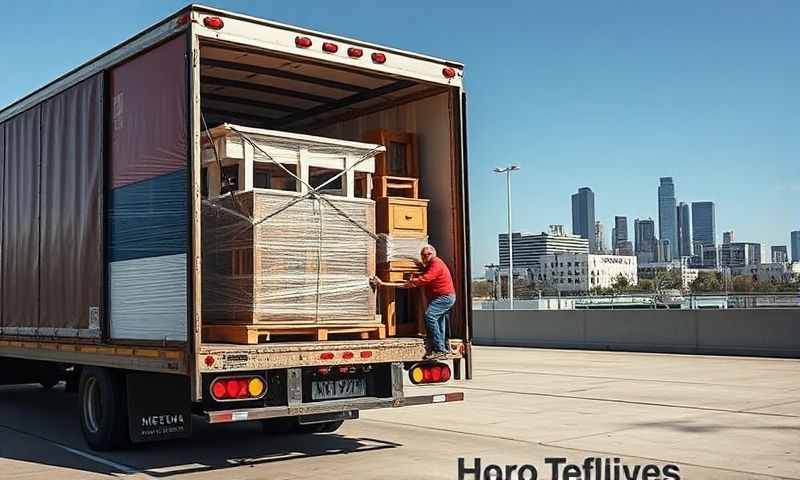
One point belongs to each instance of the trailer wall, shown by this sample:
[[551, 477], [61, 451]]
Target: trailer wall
[[52, 216], [148, 210]]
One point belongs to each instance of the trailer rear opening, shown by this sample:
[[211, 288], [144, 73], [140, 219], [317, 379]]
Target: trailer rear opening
[[111, 161]]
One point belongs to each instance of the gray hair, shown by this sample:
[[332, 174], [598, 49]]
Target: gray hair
[[429, 247]]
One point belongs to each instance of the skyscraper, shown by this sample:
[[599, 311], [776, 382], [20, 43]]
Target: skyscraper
[[583, 215], [684, 234], [796, 246], [620, 231], [599, 238], [644, 232], [667, 215], [703, 223], [779, 254]]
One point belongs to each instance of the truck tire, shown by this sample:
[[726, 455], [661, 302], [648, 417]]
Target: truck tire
[[104, 409]]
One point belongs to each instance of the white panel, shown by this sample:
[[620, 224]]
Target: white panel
[[148, 298]]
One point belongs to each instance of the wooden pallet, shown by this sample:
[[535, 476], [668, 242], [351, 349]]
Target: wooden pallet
[[253, 334]]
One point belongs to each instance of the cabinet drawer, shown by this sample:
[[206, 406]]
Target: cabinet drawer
[[408, 218], [403, 217]]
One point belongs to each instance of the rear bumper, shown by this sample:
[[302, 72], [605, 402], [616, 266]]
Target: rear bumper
[[225, 416]]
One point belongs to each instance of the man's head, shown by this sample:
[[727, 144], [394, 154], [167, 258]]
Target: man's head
[[427, 254]]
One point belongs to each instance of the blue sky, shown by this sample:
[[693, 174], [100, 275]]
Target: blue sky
[[610, 95]]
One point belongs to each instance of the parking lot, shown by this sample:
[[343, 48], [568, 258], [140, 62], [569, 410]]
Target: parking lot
[[713, 417]]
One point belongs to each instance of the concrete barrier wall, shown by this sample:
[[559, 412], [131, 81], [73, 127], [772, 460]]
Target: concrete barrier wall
[[770, 332]]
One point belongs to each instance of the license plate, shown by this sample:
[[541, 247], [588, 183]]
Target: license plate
[[346, 388]]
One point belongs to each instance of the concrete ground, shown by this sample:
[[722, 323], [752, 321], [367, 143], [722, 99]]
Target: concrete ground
[[712, 417]]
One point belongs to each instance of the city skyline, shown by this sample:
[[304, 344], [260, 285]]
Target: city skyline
[[701, 230]]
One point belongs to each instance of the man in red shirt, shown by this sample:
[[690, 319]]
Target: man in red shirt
[[441, 295]]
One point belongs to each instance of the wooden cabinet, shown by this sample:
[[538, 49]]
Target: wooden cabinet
[[402, 217], [400, 158]]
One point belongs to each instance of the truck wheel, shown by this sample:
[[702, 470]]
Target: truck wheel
[[104, 409]]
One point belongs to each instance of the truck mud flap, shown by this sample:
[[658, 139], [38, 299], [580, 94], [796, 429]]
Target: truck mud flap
[[158, 407]]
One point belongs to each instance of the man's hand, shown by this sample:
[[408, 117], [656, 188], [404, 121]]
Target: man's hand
[[375, 282]]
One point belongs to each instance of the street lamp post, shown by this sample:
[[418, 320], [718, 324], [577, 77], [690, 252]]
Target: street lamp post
[[507, 170]]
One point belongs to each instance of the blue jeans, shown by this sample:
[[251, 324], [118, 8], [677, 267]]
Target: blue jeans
[[436, 317]]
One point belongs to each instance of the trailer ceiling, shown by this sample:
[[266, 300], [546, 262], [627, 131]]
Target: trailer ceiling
[[255, 88]]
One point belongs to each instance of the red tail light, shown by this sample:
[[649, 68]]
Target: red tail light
[[448, 72], [347, 355], [429, 373], [214, 23], [355, 52], [330, 47], [326, 356], [378, 58], [302, 42], [366, 354], [238, 388]]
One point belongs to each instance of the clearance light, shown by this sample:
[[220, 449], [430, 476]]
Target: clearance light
[[214, 23], [302, 42], [326, 356], [209, 361], [239, 388], [378, 58], [182, 20], [355, 52], [429, 373], [448, 72], [330, 47], [366, 354], [347, 355]]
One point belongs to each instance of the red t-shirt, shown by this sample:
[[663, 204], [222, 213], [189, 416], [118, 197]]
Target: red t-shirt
[[436, 279]]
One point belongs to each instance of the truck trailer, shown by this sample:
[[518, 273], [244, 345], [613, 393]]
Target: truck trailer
[[105, 177]]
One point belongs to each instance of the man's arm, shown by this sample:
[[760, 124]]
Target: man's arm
[[427, 276]]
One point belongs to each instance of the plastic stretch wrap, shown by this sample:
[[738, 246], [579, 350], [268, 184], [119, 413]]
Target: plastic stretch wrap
[[308, 263], [392, 248]]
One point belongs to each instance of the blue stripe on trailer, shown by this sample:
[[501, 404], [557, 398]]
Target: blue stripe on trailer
[[149, 218]]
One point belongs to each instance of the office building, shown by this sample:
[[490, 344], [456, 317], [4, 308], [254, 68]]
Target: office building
[[667, 214], [528, 248], [739, 254], [581, 272], [795, 241], [703, 223], [709, 257], [779, 254], [599, 238], [644, 235], [727, 237], [684, 230], [583, 215], [687, 272], [663, 251], [620, 232]]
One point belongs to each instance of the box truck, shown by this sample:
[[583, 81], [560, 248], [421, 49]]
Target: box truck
[[111, 179]]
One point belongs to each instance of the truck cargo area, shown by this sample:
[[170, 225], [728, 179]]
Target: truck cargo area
[[255, 88]]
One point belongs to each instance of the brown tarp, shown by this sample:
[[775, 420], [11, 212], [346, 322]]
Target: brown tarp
[[148, 124], [71, 223], [21, 221]]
